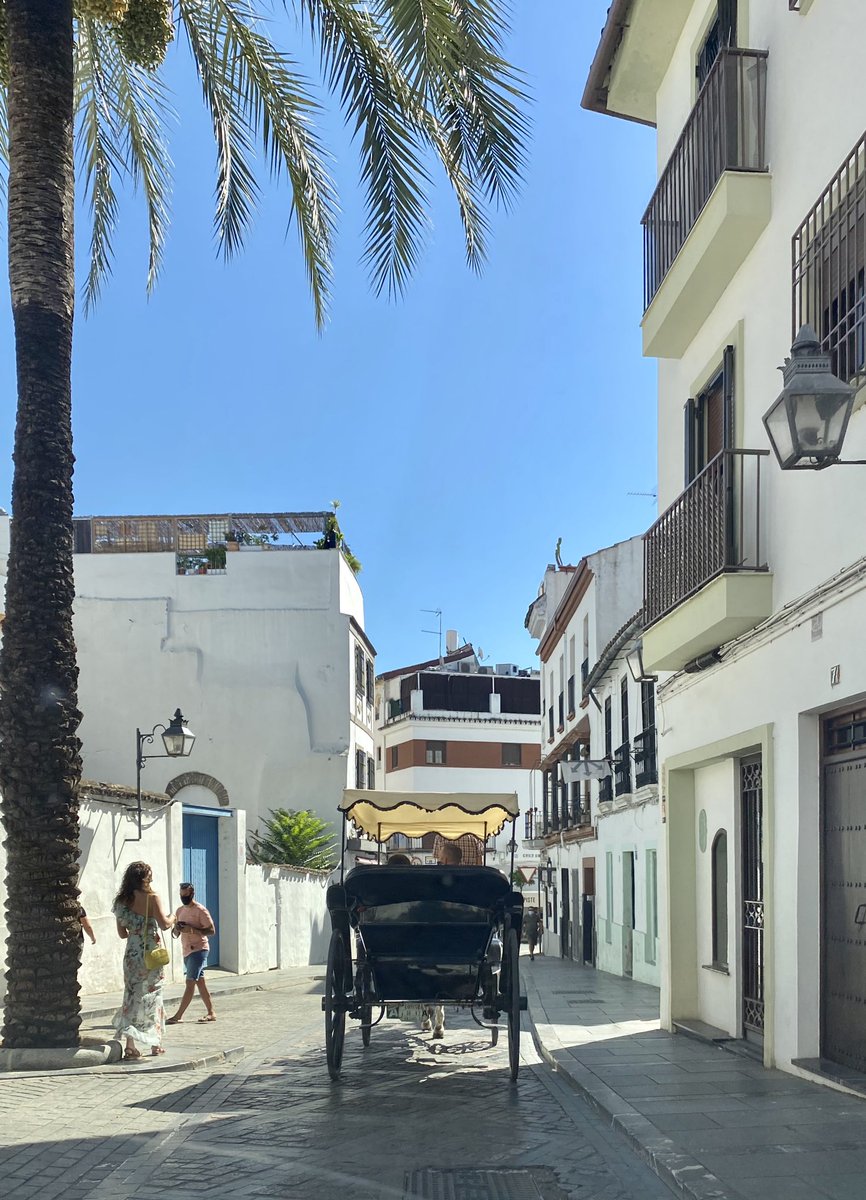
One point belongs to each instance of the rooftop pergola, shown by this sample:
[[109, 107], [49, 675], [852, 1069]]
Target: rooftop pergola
[[190, 533]]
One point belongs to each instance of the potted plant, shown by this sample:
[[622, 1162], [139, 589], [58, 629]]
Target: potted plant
[[233, 540], [216, 558]]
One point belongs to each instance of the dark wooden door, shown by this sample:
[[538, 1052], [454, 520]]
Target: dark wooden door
[[843, 910]]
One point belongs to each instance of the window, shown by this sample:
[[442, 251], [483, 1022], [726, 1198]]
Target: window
[[371, 773], [829, 269], [571, 658], [648, 704], [370, 680], [721, 33], [608, 896], [720, 900], [360, 769], [378, 754], [550, 722], [623, 707], [395, 757], [545, 801], [608, 728], [561, 711], [435, 756], [511, 754], [360, 672], [652, 910], [709, 420]]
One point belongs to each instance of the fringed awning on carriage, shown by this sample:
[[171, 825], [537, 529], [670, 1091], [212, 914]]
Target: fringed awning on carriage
[[381, 814]]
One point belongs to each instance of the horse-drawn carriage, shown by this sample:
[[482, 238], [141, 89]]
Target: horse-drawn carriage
[[423, 935]]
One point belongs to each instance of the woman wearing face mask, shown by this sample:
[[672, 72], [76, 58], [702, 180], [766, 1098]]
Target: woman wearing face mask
[[139, 915], [193, 924]]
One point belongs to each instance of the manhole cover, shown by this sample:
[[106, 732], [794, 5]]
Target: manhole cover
[[531, 1183]]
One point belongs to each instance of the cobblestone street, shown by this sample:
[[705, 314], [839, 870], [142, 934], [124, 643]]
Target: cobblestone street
[[404, 1121]]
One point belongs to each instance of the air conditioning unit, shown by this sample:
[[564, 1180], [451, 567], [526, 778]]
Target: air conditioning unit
[[506, 669]]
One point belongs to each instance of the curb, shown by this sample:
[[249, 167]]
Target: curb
[[108, 1010], [678, 1169], [217, 1058]]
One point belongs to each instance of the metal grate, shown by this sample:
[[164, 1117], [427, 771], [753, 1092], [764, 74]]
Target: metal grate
[[751, 791], [829, 269], [724, 132], [532, 1183]]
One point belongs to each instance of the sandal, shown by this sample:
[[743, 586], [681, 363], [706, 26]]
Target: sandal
[[207, 1020], [174, 1020], [131, 1055], [157, 1050]]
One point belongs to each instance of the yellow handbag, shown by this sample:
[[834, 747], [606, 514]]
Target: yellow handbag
[[159, 955]]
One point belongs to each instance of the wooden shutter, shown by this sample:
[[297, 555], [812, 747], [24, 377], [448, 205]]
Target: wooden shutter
[[728, 389], [728, 22], [690, 441]]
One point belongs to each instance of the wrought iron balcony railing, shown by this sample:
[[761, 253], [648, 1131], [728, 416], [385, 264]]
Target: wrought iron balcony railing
[[605, 790], [714, 526], [724, 132], [622, 770], [645, 758]]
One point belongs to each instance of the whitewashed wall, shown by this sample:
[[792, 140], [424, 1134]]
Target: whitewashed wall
[[269, 916], [258, 659]]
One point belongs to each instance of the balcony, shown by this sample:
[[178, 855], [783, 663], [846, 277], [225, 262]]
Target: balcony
[[622, 770], [711, 203], [705, 573], [645, 758]]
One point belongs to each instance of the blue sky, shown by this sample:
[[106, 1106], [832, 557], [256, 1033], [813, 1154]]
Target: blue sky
[[464, 429]]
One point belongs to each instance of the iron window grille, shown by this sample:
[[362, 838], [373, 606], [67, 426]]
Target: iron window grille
[[828, 254], [645, 757], [622, 770]]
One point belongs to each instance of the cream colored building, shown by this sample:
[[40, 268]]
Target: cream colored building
[[601, 838], [754, 577]]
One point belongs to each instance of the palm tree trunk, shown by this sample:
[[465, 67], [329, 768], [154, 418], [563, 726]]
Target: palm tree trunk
[[40, 765]]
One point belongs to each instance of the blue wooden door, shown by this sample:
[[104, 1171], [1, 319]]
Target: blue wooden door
[[201, 869]]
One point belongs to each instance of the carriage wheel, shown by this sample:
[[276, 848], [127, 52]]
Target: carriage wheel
[[366, 1023], [335, 1013], [494, 1036], [512, 1000]]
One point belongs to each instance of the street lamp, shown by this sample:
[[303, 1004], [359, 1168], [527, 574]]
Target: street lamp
[[178, 740], [807, 424], [548, 881], [639, 673]]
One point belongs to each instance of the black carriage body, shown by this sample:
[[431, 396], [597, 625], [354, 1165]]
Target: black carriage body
[[428, 935]]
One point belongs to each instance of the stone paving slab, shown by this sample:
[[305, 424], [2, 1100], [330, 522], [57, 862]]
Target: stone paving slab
[[717, 1126]]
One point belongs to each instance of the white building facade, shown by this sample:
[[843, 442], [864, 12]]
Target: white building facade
[[453, 725], [601, 837], [754, 600], [259, 639]]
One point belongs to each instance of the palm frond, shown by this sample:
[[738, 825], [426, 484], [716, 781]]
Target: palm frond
[[97, 150], [377, 100], [452, 49], [251, 88], [142, 111], [4, 144]]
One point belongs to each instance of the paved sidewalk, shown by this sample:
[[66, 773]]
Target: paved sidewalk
[[189, 1045], [711, 1122]]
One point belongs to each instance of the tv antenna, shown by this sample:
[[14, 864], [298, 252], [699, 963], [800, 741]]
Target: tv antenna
[[649, 495], [436, 612]]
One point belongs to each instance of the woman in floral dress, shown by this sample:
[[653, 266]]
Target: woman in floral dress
[[142, 1015]]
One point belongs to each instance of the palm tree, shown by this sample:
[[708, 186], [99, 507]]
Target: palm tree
[[295, 838], [417, 81]]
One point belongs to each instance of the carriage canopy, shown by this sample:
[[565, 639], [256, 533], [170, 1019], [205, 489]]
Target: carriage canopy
[[381, 814]]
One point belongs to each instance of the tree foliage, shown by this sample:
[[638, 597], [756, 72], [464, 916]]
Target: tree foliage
[[294, 838], [416, 81]]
